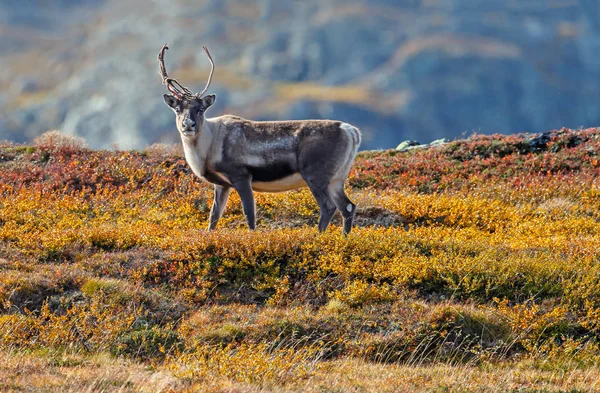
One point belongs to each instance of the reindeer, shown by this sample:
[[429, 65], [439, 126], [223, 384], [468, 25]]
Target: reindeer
[[265, 156]]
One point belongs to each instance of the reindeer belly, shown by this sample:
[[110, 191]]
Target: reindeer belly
[[287, 183]]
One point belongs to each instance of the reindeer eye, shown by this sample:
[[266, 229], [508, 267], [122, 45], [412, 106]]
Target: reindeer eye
[[177, 109]]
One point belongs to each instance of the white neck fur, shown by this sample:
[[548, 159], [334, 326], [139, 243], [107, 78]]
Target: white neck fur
[[196, 148]]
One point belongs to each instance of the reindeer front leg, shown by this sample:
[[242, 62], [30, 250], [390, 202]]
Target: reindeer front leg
[[219, 203], [243, 186]]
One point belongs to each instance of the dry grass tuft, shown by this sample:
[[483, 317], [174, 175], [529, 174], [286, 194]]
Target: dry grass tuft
[[55, 138], [163, 149]]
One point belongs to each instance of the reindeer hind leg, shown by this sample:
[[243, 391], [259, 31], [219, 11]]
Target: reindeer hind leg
[[343, 204], [325, 202]]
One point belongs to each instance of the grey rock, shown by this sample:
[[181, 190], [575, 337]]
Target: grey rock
[[439, 142], [540, 141], [411, 145], [406, 144], [24, 85]]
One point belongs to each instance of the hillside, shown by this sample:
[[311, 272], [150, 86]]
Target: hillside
[[414, 69], [474, 266]]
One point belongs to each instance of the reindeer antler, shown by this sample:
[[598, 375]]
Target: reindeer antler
[[173, 85], [212, 69]]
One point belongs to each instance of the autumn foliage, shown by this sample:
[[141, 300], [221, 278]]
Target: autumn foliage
[[481, 251]]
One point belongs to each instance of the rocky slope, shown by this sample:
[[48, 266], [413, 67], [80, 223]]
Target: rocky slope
[[415, 69]]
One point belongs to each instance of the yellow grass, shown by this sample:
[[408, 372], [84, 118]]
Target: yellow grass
[[110, 282]]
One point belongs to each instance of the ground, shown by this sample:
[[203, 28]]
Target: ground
[[474, 266]]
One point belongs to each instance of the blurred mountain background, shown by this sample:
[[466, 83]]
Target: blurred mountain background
[[398, 69]]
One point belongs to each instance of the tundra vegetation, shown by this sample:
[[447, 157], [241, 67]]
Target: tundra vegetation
[[474, 266]]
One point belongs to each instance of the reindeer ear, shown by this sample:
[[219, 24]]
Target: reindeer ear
[[207, 101], [170, 100]]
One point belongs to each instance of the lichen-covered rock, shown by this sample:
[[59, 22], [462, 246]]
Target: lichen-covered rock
[[406, 144], [439, 142]]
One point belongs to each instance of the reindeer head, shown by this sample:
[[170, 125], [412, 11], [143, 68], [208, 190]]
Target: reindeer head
[[189, 108]]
